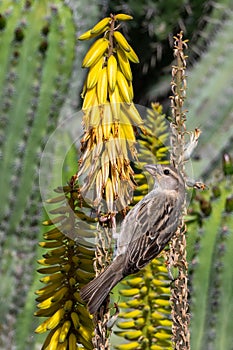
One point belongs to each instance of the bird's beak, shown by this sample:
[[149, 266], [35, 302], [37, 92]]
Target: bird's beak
[[152, 169]]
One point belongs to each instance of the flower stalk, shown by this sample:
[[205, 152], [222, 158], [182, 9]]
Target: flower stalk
[[177, 254]]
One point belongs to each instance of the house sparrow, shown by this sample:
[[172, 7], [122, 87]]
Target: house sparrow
[[144, 233]]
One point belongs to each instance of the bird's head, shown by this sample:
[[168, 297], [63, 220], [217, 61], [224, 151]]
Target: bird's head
[[166, 176]]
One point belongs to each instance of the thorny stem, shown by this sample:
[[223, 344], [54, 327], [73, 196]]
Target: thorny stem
[[177, 255], [103, 257], [112, 25]]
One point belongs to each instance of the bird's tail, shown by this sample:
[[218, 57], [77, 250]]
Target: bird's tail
[[96, 291]]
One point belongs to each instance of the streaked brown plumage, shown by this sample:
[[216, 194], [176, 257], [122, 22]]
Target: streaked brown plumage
[[144, 233]]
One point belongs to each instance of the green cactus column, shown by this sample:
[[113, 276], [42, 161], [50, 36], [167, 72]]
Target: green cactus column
[[37, 53], [210, 249], [209, 97]]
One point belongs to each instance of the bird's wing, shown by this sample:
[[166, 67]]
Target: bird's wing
[[153, 225], [140, 253], [151, 212]]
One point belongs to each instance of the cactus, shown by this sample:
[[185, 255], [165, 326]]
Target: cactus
[[210, 251], [37, 55], [210, 98]]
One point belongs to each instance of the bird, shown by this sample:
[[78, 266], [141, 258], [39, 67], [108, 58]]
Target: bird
[[144, 233]]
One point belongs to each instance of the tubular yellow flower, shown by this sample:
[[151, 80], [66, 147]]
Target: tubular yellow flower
[[112, 72]]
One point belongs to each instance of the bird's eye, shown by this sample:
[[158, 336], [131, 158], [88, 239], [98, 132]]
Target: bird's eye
[[166, 172]]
